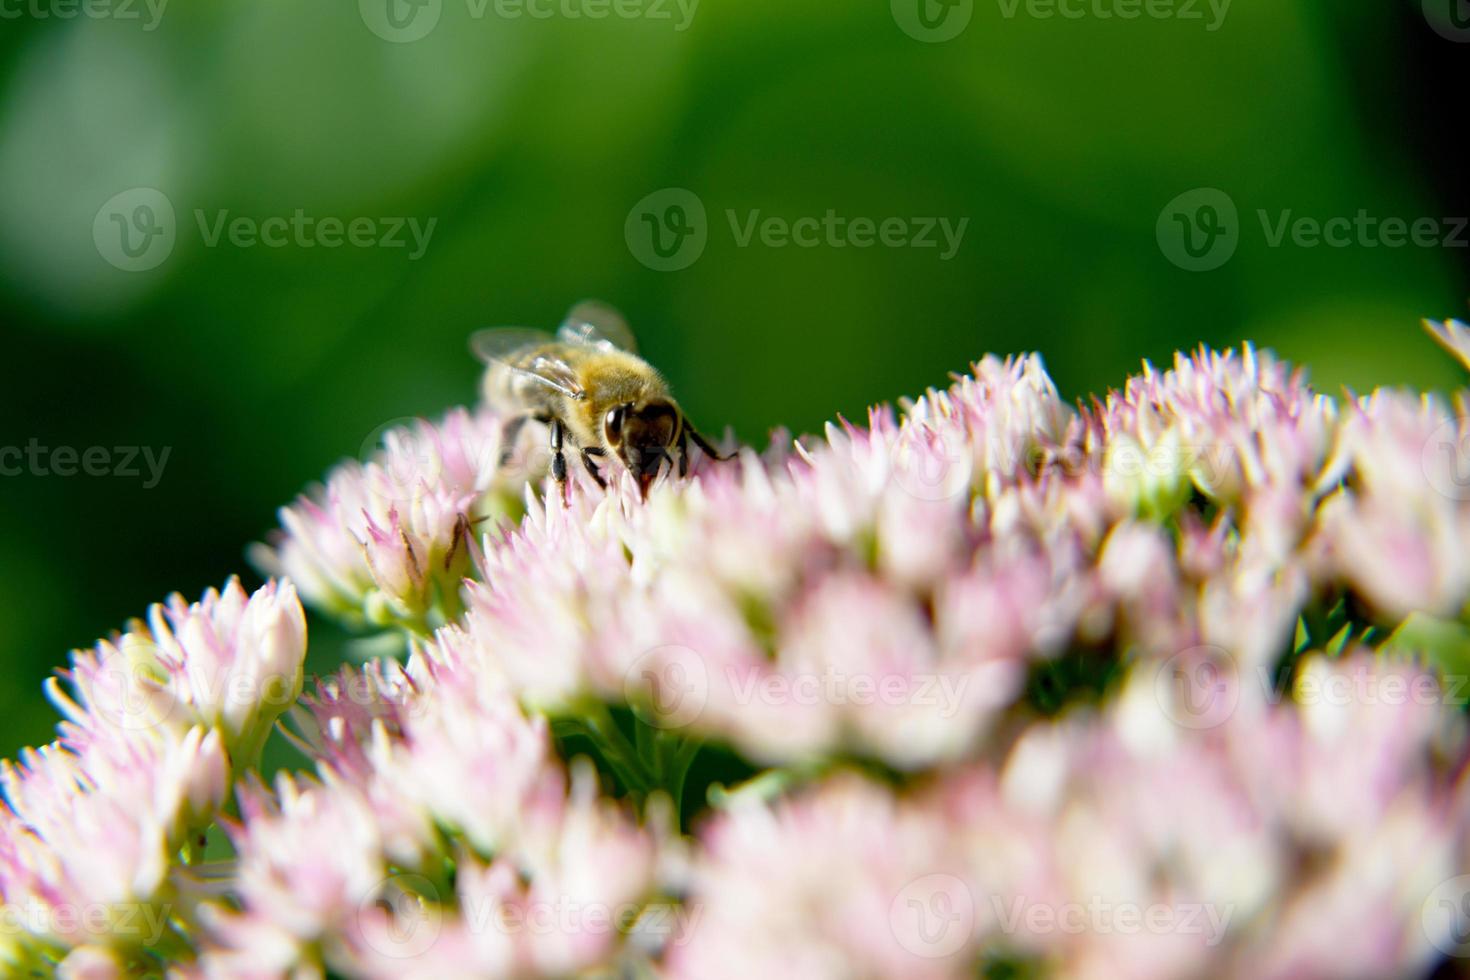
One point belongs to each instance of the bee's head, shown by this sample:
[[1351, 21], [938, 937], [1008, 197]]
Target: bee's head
[[641, 436]]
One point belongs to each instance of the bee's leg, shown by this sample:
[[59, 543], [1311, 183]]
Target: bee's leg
[[592, 470], [508, 435], [703, 444], [558, 458], [683, 452]]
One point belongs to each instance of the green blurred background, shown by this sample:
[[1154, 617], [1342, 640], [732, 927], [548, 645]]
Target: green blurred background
[[529, 140]]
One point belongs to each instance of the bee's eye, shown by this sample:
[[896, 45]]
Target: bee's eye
[[613, 425]]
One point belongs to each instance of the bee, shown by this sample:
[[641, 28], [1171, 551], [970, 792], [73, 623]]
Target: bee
[[596, 396]]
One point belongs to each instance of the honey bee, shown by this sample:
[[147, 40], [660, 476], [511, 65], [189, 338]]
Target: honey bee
[[596, 396]]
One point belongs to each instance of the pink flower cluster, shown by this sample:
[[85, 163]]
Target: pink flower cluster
[[440, 837], [1169, 684], [1312, 842], [101, 827], [388, 540]]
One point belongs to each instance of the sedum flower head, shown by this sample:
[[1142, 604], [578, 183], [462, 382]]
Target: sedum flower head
[[1164, 684], [387, 540], [90, 827], [231, 662]]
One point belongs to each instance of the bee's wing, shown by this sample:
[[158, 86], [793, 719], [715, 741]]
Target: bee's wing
[[513, 347], [499, 343], [593, 323]]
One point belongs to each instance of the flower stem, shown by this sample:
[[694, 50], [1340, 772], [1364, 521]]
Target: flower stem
[[620, 755]]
